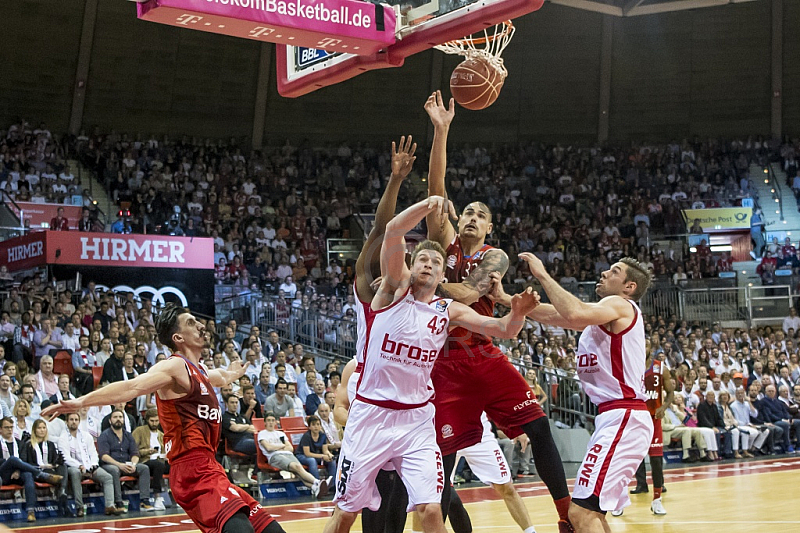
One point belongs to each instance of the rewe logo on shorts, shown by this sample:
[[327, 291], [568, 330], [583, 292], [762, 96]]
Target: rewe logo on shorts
[[501, 462], [439, 473], [412, 352], [588, 464]]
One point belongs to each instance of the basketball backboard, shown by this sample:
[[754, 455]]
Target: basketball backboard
[[421, 24]]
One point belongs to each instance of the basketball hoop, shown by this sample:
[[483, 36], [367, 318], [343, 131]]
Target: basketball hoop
[[489, 47]]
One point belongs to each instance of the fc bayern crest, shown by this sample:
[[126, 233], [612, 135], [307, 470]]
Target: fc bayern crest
[[451, 261], [447, 431], [203, 389]]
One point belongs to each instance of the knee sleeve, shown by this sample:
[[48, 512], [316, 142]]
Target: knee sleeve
[[546, 457], [459, 518], [273, 527], [657, 470], [238, 523]]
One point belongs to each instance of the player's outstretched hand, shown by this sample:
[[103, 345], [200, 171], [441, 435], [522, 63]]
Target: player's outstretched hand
[[525, 302], [524, 441], [237, 368], [61, 408], [440, 115], [534, 264], [442, 207], [403, 159]]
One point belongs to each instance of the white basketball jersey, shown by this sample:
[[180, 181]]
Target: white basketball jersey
[[402, 344], [611, 366]]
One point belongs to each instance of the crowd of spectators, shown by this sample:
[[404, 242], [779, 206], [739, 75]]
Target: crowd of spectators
[[53, 344]]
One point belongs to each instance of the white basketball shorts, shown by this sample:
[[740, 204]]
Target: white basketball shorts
[[620, 441], [376, 436], [487, 462]]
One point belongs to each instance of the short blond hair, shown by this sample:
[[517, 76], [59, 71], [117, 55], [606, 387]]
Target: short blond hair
[[428, 245]]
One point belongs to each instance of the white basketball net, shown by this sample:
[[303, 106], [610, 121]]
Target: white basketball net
[[489, 47]]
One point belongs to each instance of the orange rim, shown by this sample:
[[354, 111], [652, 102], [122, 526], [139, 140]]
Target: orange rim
[[508, 26]]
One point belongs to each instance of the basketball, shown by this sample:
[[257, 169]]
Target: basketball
[[476, 83]]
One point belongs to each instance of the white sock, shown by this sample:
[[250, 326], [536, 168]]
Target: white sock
[[412, 531], [530, 530]]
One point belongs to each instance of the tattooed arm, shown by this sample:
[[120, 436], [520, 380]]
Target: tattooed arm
[[479, 282]]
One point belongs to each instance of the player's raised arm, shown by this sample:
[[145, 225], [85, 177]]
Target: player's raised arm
[[160, 376], [440, 229], [395, 274], [368, 265], [573, 313], [505, 328]]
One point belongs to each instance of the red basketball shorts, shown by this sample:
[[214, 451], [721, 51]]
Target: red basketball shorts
[[657, 444], [200, 486], [468, 383]]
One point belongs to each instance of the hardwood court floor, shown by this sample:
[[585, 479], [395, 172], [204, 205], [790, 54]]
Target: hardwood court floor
[[730, 498]]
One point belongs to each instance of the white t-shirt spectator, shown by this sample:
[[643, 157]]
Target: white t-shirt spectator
[[289, 289], [67, 176], [273, 437], [791, 322], [678, 195]]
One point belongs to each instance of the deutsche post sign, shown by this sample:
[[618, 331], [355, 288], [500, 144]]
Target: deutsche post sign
[[719, 219]]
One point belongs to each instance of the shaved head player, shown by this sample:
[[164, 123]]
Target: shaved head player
[[470, 360], [191, 417]]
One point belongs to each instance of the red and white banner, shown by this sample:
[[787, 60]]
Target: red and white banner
[[111, 249], [40, 215], [351, 26], [107, 249], [23, 252]]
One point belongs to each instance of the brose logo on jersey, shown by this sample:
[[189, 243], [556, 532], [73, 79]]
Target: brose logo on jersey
[[206, 412], [412, 352]]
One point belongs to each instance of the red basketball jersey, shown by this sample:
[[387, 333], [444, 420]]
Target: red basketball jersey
[[192, 422], [653, 385], [457, 268]]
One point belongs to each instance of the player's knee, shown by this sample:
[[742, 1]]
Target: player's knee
[[505, 490], [238, 523], [429, 511], [344, 518], [580, 516]]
